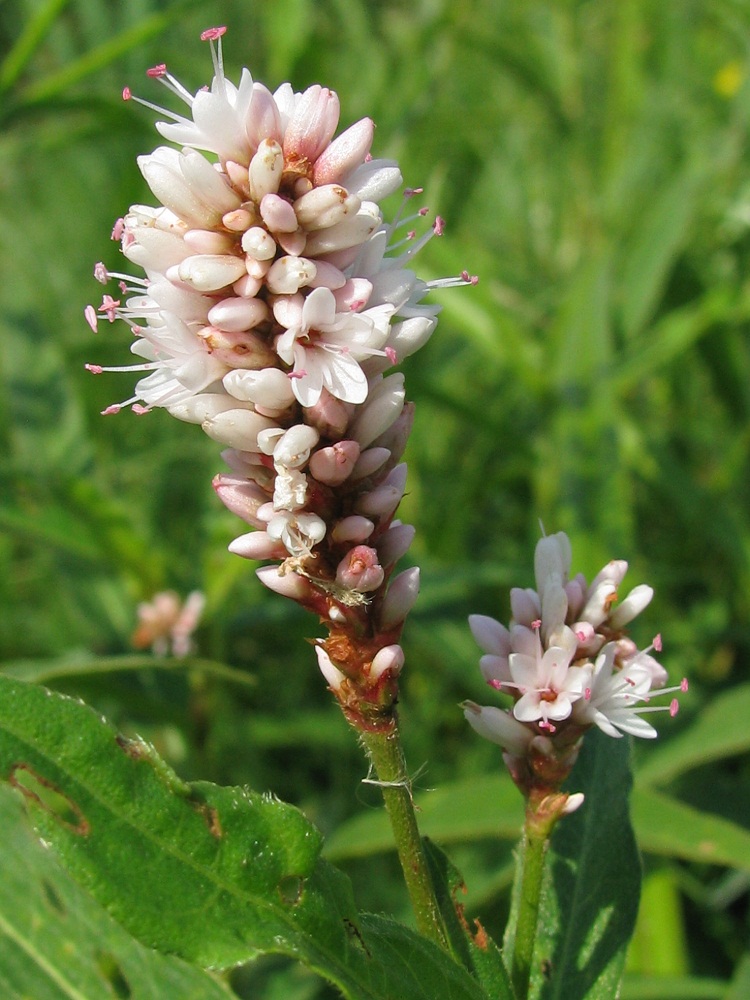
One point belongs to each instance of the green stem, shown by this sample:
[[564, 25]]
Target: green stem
[[536, 836], [386, 754]]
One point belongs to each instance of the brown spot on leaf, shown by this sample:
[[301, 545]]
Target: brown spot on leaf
[[290, 889], [49, 798]]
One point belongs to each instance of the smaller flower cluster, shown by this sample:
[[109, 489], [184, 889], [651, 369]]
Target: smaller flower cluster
[[166, 624], [568, 664]]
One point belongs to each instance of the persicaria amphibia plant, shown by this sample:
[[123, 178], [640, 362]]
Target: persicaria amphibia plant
[[272, 305]]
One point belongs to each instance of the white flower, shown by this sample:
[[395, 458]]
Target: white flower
[[547, 682], [324, 347]]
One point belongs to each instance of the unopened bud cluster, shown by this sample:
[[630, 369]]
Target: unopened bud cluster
[[567, 663], [275, 300]]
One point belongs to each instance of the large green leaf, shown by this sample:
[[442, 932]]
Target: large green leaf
[[56, 943], [592, 882], [216, 875], [668, 827]]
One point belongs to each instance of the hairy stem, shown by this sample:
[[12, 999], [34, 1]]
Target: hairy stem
[[386, 754], [537, 831]]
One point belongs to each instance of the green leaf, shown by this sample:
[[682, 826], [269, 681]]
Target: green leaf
[[477, 950], [238, 873], [675, 988], [31, 37], [56, 943], [592, 882], [719, 730], [658, 238], [85, 665], [666, 826]]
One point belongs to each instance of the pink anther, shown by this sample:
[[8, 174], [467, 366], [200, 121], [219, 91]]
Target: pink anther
[[391, 355], [157, 71], [100, 273], [657, 643], [94, 369], [213, 34], [113, 408], [117, 229], [439, 226], [109, 307], [90, 314], [126, 93]]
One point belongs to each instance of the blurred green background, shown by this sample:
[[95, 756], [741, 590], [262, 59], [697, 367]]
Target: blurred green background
[[591, 161]]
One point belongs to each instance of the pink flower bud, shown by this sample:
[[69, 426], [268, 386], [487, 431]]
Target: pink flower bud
[[241, 497], [258, 243], [278, 214], [325, 206], [329, 415], [205, 241], [388, 658], [210, 272], [238, 350], [290, 585], [524, 605], [266, 168], [345, 153], [352, 529], [257, 545], [395, 543], [638, 598], [312, 124], [350, 232], [384, 404], [369, 462], [400, 599], [331, 673], [334, 464], [288, 274], [236, 428], [360, 570], [237, 315], [269, 387]]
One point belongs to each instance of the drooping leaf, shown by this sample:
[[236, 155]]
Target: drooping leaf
[[592, 882], [56, 943], [239, 873], [672, 828]]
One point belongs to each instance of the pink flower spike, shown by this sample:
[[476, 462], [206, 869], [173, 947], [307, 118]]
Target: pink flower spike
[[90, 314], [213, 34]]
